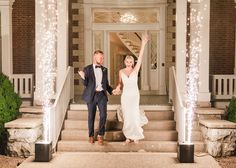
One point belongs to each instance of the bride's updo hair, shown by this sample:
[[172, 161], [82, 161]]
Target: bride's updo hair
[[131, 58]]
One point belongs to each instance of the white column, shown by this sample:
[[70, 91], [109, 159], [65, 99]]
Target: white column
[[62, 42], [145, 70], [62, 47], [204, 8], [162, 65], [38, 94], [6, 34], [181, 19]]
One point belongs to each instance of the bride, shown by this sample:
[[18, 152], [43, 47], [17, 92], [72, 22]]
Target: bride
[[134, 119]]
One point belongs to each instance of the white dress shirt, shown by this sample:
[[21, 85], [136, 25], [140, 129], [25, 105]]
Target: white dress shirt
[[98, 77]]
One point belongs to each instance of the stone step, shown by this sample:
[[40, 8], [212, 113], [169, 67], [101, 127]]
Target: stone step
[[159, 115], [142, 146], [31, 112], [31, 109], [83, 115], [197, 135], [116, 106], [82, 135], [111, 114], [209, 113], [150, 135], [119, 136], [24, 123], [115, 125]]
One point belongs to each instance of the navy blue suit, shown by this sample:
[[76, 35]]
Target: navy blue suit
[[94, 99]]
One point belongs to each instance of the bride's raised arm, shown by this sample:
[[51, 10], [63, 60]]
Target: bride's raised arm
[[140, 57]]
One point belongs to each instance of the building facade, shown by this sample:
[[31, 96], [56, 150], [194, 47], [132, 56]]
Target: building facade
[[116, 27]]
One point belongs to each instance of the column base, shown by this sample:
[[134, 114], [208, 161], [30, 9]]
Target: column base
[[37, 101], [204, 99]]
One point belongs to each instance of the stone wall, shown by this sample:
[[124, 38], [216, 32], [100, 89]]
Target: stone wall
[[219, 137], [23, 133], [76, 31]]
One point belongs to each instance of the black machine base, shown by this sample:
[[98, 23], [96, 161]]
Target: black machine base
[[185, 153], [43, 151]]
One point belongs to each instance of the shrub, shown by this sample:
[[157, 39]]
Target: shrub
[[9, 107], [231, 110]]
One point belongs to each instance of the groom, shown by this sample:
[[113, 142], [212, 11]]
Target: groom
[[96, 84]]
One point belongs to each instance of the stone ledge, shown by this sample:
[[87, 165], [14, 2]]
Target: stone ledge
[[24, 123], [224, 124], [209, 111], [31, 109]]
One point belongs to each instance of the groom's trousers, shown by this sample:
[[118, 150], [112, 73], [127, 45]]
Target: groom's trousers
[[100, 101]]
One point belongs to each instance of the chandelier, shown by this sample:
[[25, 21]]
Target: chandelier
[[128, 18]]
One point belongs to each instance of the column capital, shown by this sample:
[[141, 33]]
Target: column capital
[[6, 2]]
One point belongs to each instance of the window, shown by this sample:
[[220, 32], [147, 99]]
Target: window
[[130, 16]]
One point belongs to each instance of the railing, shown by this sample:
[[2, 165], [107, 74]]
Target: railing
[[23, 84], [179, 109], [60, 106], [131, 41], [223, 86]]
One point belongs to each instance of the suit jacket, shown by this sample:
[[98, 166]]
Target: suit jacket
[[90, 83]]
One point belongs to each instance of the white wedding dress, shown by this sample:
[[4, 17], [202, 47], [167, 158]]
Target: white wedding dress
[[133, 117]]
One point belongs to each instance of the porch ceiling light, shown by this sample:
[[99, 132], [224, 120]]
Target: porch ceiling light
[[128, 18]]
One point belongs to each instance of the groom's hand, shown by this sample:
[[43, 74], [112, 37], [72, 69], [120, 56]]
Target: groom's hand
[[116, 92], [81, 73]]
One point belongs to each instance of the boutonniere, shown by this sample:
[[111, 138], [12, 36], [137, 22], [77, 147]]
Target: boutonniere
[[104, 69]]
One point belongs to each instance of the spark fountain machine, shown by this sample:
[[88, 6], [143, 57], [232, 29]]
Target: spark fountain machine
[[185, 152], [43, 151]]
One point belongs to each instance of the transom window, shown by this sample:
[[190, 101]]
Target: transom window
[[128, 16]]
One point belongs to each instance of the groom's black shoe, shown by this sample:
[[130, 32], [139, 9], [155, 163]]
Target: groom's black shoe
[[91, 140], [100, 140]]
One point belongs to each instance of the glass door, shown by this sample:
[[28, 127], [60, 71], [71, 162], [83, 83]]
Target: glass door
[[154, 54]]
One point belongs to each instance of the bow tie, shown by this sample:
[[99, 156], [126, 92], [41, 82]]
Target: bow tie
[[97, 66]]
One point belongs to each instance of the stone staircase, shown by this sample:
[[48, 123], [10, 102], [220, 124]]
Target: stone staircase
[[160, 133], [131, 41]]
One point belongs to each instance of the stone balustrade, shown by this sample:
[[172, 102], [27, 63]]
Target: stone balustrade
[[23, 133], [219, 137]]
